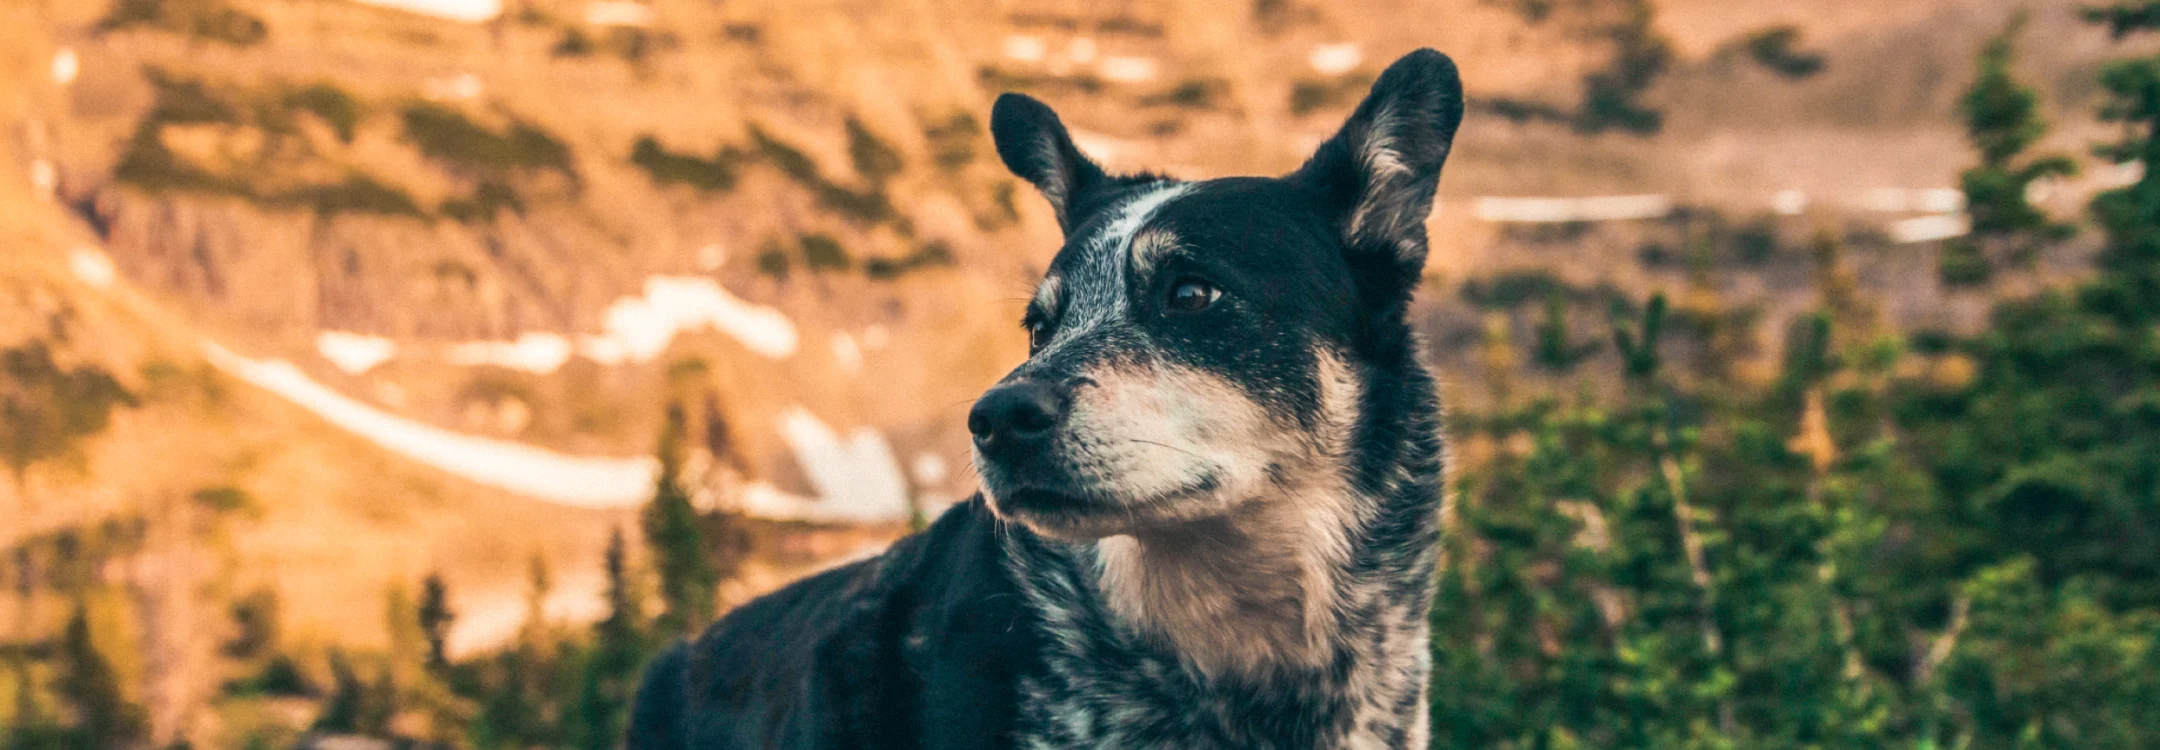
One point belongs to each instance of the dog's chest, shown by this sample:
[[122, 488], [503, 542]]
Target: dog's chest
[[1102, 687]]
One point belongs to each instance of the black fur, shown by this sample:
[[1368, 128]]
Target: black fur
[[981, 633]]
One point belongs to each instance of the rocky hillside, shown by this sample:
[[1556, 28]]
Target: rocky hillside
[[538, 226]]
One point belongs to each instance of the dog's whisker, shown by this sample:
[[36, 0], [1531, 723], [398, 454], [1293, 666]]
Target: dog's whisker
[[1165, 445]]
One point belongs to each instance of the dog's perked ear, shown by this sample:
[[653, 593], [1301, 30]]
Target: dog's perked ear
[[1035, 146], [1377, 176]]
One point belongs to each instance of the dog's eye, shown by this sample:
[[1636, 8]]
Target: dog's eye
[[1038, 336], [1193, 295]]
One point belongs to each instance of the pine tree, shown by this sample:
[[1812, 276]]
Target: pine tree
[[1556, 345], [344, 712], [2130, 217], [2003, 120], [89, 687], [435, 619], [688, 577], [618, 650], [1639, 346]]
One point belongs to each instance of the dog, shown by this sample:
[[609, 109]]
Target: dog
[[1210, 496]]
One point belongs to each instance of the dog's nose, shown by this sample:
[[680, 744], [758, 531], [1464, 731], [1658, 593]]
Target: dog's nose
[[1016, 416]]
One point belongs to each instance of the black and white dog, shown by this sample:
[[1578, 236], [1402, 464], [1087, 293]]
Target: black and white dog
[[1210, 496]]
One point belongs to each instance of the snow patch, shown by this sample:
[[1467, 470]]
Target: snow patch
[[492, 619], [469, 11], [354, 353], [858, 475], [66, 65], [1914, 200], [1024, 48], [44, 178], [462, 87], [711, 257], [92, 267], [1120, 69], [526, 470], [1102, 148], [1552, 210], [1335, 59], [619, 13], [2115, 176], [1081, 51], [1930, 228], [640, 328], [537, 353], [1789, 202], [929, 469], [846, 353]]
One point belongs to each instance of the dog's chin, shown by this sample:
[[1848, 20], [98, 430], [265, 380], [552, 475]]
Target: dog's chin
[[1059, 515], [1081, 517]]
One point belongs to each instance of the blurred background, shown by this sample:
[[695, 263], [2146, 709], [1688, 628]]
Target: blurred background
[[388, 373]]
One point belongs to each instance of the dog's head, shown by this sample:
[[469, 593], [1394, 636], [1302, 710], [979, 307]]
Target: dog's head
[[1197, 347]]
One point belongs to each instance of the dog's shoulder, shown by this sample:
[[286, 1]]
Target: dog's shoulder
[[918, 646]]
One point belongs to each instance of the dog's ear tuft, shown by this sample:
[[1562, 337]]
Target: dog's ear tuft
[[1378, 174], [1035, 146]]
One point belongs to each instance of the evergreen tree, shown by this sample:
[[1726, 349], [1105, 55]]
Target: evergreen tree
[[435, 619], [688, 577], [1556, 345], [2129, 289], [2002, 118], [617, 652], [344, 712], [90, 689]]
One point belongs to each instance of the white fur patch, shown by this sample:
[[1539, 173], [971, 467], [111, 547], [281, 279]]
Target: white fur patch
[[1094, 292]]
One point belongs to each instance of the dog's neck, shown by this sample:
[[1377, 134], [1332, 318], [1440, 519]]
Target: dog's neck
[[1249, 594], [1320, 594]]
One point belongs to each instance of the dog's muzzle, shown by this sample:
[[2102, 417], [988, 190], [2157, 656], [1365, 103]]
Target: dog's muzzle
[[1016, 422]]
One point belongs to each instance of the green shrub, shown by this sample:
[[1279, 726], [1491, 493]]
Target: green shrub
[[358, 193], [48, 411], [1510, 289], [574, 43], [928, 255], [954, 140], [1201, 93], [448, 136], [866, 206], [666, 167], [202, 19], [772, 260], [1963, 264], [336, 107], [1777, 49], [489, 198], [823, 253], [146, 163], [183, 101], [874, 160], [998, 79], [1756, 242], [1612, 95], [1310, 95], [791, 162]]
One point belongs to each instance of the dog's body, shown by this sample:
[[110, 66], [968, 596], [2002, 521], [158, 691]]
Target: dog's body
[[1209, 515]]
